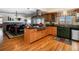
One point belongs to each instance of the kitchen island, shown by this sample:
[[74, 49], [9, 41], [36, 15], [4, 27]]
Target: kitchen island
[[33, 34]]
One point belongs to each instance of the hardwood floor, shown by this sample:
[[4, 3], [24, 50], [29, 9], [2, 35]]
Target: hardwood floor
[[75, 45], [48, 43]]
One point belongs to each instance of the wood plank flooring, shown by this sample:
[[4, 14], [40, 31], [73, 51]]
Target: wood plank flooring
[[48, 43], [75, 45]]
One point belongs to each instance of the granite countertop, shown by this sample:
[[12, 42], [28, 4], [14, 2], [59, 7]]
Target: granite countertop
[[38, 28], [70, 26]]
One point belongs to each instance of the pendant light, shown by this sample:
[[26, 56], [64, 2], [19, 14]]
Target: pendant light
[[16, 15]]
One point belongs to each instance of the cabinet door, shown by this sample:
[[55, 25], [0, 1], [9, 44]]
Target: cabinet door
[[33, 36], [45, 17], [60, 31], [50, 17], [53, 31], [67, 32], [26, 36]]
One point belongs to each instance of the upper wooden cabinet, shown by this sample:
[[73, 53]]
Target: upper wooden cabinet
[[45, 16], [76, 10], [49, 16]]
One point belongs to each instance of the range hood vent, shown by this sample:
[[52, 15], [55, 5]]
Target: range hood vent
[[38, 12]]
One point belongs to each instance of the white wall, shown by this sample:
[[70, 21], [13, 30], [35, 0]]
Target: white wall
[[5, 16]]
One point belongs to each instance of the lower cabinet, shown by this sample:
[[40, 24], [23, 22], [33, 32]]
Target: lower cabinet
[[31, 35], [63, 32], [52, 31]]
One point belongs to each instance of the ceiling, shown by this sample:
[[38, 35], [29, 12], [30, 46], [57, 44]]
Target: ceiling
[[55, 9], [19, 10], [30, 11]]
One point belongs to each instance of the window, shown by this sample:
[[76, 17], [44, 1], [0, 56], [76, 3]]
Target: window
[[40, 20], [62, 20], [66, 20]]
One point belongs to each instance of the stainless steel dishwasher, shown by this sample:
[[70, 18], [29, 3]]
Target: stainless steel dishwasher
[[75, 34]]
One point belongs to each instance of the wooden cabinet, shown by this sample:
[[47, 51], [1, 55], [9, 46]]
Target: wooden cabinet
[[31, 35], [53, 31], [49, 16], [45, 17], [26, 36]]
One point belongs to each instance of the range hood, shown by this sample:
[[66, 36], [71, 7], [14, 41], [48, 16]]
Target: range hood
[[37, 20], [38, 12]]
